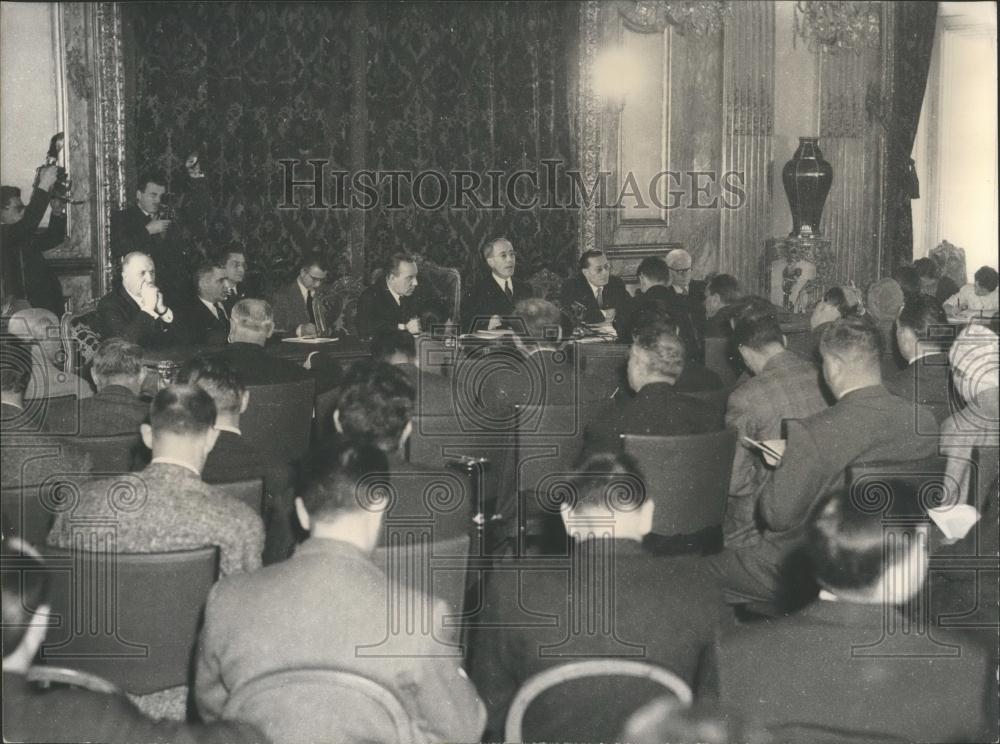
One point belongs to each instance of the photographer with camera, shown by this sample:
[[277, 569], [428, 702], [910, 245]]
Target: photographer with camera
[[27, 274]]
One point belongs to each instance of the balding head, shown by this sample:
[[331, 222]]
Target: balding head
[[851, 348], [138, 270], [251, 321]]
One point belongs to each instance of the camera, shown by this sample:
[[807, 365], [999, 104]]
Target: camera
[[63, 185]]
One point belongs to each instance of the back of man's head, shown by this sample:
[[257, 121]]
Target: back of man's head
[[541, 319], [855, 342], [757, 327], [340, 479], [654, 269], [15, 368], [23, 590], [375, 405], [608, 487], [726, 286], [987, 278], [8, 194], [182, 411], [251, 321], [661, 351], [924, 317], [394, 347], [852, 554], [217, 378], [117, 362]]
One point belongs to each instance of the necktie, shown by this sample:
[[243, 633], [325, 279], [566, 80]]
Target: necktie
[[220, 311], [507, 291], [309, 307], [600, 297]]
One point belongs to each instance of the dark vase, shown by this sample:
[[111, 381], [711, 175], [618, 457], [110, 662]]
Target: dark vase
[[807, 178]]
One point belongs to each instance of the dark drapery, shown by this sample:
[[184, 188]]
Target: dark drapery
[[449, 86], [914, 41]]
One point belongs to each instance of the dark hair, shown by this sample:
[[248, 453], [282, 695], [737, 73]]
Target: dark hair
[[182, 409], [148, 177], [15, 367], [927, 268], [854, 338], [846, 544], [8, 194], [375, 404], [605, 480], [216, 377], [655, 269], [838, 298], [584, 261], [541, 318], [390, 264], [342, 477], [116, 357], [909, 280], [923, 315], [220, 256], [23, 589], [756, 327], [986, 277], [487, 249], [653, 314], [386, 344], [203, 270], [664, 347], [314, 258], [726, 286]]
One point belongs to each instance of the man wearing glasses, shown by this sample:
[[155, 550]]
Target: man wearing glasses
[[594, 295], [294, 305], [686, 302]]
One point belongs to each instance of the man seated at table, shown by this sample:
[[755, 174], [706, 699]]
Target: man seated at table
[[251, 325], [204, 320], [489, 304], [978, 298], [170, 507], [722, 293], [390, 303], [594, 295], [39, 329], [294, 304], [322, 608], [135, 310], [233, 261], [686, 302], [922, 331], [656, 360]]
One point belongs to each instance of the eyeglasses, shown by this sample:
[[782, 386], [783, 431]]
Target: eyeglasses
[[317, 279], [682, 271]]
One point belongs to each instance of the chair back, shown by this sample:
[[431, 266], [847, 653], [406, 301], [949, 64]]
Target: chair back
[[279, 419], [718, 360], [114, 453], [24, 514], [322, 705], [132, 618], [249, 491], [445, 283], [687, 477], [580, 686], [602, 370], [907, 488], [79, 337], [715, 398]]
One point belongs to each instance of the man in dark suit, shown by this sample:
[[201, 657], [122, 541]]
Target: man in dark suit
[[594, 295], [26, 273], [389, 304], [866, 422], [662, 611], [844, 665], [204, 320], [686, 302], [326, 607], [921, 328], [135, 310], [234, 262], [294, 304], [722, 293], [655, 361], [251, 324], [489, 304]]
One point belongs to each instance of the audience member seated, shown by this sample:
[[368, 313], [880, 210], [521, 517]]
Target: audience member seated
[[651, 299], [39, 328], [932, 282], [489, 303], [695, 377], [173, 509], [978, 298], [665, 610], [838, 302], [251, 325], [594, 295], [135, 309], [867, 422], [391, 303], [921, 332], [783, 386], [656, 360], [721, 295], [233, 261], [294, 303], [399, 348], [117, 408], [844, 665], [322, 605], [204, 320], [70, 714], [909, 280]]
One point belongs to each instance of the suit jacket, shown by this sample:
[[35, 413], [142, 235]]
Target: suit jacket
[[119, 315], [174, 510], [25, 270], [577, 290], [320, 608], [787, 388], [255, 366], [803, 669], [656, 409], [689, 312], [173, 272], [926, 381], [113, 410], [289, 307], [233, 458], [434, 393], [665, 612], [198, 326], [485, 299], [378, 312]]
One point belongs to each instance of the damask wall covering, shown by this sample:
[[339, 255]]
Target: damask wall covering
[[448, 87]]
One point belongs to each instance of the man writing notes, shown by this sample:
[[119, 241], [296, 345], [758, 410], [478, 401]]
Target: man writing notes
[[491, 301]]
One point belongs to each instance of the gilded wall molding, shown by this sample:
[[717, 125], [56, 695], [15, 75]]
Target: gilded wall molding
[[589, 117]]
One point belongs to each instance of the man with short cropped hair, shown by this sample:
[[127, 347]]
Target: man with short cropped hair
[[594, 295], [489, 303], [323, 608], [722, 292], [434, 393], [391, 303], [233, 261], [922, 333], [205, 320], [173, 508], [251, 325]]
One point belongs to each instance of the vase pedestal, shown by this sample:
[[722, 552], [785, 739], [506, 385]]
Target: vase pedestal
[[797, 271]]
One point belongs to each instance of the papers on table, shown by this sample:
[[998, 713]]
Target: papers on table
[[309, 340]]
